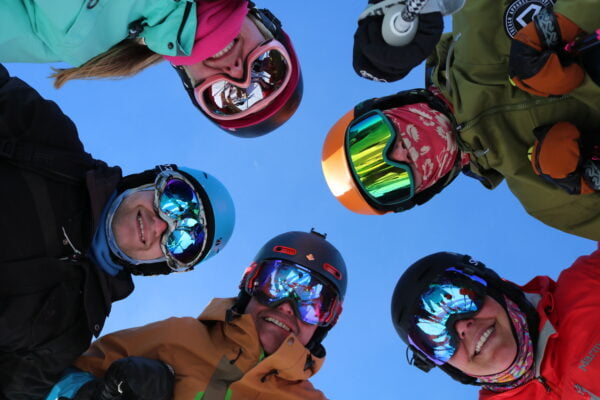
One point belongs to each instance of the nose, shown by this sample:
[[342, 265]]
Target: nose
[[462, 326], [159, 226], [286, 308], [235, 69], [399, 152]]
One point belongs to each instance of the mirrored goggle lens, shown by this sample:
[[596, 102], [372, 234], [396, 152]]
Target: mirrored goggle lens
[[443, 303], [312, 299], [180, 207], [368, 139], [267, 74]]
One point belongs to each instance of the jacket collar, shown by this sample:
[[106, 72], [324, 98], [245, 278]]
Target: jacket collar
[[291, 361]]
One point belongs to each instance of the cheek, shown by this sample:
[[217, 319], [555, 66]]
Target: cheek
[[306, 332]]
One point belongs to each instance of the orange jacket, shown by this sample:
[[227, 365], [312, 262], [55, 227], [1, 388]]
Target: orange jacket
[[567, 358], [213, 358]]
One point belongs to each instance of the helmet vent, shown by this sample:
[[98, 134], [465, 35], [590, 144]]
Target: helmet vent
[[332, 270], [285, 250]]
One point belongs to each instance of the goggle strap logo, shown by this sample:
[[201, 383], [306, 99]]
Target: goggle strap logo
[[166, 167]]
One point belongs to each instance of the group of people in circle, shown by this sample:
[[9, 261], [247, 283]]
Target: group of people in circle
[[499, 103]]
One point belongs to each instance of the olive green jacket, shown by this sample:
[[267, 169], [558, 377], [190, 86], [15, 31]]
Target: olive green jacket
[[496, 120], [75, 31]]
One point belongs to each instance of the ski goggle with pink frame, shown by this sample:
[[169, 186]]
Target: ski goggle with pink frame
[[268, 69]]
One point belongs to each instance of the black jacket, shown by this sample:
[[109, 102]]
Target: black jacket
[[52, 297]]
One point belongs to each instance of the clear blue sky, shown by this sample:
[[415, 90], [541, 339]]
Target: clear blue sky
[[277, 185]]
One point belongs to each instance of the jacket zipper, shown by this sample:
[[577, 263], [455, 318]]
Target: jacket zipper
[[581, 390], [543, 382]]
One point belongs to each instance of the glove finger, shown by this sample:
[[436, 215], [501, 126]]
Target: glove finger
[[591, 64], [556, 153]]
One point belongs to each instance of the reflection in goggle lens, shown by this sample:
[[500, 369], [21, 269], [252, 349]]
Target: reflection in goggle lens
[[443, 303], [367, 140], [267, 73], [312, 299], [179, 204]]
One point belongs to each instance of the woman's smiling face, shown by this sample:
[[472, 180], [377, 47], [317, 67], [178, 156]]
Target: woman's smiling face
[[486, 341]]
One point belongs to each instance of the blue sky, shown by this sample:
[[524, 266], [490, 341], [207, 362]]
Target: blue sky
[[277, 185]]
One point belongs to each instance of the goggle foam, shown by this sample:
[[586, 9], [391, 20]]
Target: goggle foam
[[313, 299], [387, 183], [268, 70], [177, 203]]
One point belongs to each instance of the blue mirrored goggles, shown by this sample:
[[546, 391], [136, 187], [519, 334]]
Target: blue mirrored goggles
[[454, 296], [178, 204], [313, 299]]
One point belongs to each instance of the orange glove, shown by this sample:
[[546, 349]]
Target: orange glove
[[538, 64], [557, 157]]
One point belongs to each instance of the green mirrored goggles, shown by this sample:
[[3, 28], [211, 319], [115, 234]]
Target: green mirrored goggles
[[385, 182]]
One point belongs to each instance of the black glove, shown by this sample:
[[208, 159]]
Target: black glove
[[374, 59], [131, 378], [591, 64]]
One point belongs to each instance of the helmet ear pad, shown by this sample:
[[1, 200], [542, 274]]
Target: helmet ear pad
[[405, 98]]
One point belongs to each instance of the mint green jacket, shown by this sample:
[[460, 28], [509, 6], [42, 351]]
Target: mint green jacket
[[496, 120], [75, 31]]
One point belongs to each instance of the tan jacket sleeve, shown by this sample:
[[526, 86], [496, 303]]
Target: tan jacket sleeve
[[152, 341]]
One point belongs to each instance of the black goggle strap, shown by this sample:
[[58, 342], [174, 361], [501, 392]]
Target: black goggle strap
[[418, 359], [187, 84], [144, 177], [266, 17]]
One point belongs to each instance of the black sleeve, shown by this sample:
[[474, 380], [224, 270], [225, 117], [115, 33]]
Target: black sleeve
[[25, 115]]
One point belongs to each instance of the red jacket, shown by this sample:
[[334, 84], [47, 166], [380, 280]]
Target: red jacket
[[568, 352]]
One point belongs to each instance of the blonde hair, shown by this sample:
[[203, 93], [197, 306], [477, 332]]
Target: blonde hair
[[126, 58]]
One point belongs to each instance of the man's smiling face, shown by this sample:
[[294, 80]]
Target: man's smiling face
[[137, 227], [274, 325]]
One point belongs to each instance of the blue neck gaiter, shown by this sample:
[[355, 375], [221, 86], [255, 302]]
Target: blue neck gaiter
[[104, 244], [100, 251]]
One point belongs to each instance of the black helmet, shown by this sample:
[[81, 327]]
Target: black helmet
[[417, 278], [312, 251]]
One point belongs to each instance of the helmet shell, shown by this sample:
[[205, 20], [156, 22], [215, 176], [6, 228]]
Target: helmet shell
[[310, 250], [222, 208]]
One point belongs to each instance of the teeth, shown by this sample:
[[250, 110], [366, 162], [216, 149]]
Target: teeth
[[141, 223], [483, 339], [278, 323], [224, 51]]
